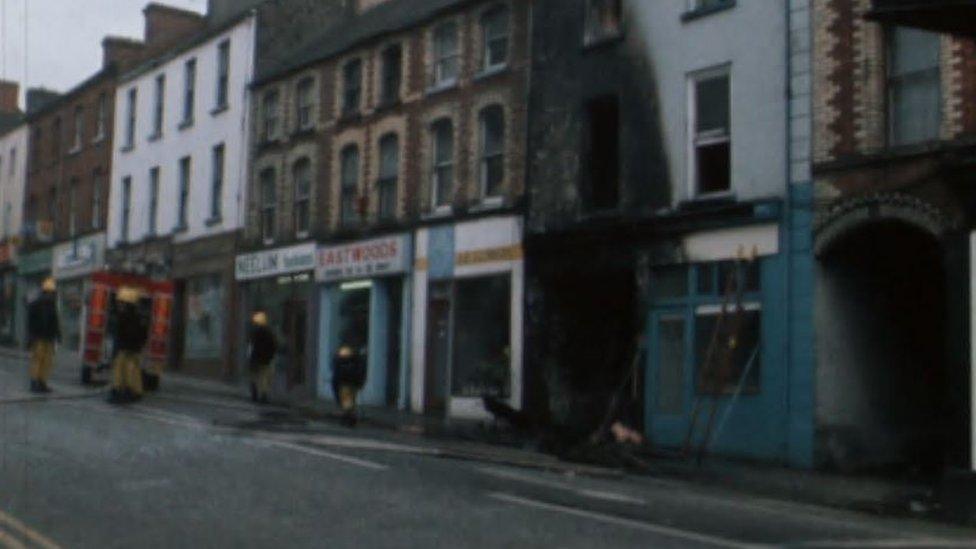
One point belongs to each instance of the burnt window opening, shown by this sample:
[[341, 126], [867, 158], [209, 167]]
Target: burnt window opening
[[604, 20], [602, 154], [712, 137], [392, 74]]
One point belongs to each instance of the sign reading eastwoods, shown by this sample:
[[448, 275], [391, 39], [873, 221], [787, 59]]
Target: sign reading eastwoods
[[378, 257]]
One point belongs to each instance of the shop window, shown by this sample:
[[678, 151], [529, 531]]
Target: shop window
[[442, 176], [716, 278], [153, 199], [354, 319], [492, 129], [711, 147], [494, 29], [268, 205], [603, 20], [270, 108], [304, 101], [302, 177], [447, 55], [349, 165], [740, 350], [914, 85], [392, 74], [672, 357], [204, 317], [389, 176], [482, 338], [352, 86], [602, 154]]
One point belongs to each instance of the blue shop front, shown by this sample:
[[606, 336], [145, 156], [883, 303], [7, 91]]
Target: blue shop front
[[364, 293]]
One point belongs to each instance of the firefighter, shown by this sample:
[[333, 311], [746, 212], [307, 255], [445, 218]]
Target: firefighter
[[264, 346], [43, 331], [131, 333], [348, 378]]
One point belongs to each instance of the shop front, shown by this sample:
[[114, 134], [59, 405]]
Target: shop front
[[32, 269], [72, 264], [467, 317], [9, 335], [280, 283], [364, 295]]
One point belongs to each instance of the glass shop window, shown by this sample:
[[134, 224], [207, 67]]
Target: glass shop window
[[734, 359], [205, 318], [482, 346]]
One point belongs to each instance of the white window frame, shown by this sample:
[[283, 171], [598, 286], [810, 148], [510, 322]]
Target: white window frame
[[437, 167], [159, 93], [189, 90], [441, 58], [305, 103], [488, 39], [693, 139], [268, 229], [304, 198], [484, 158], [154, 175]]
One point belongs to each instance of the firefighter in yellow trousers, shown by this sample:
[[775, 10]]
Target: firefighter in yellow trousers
[[43, 331], [131, 333]]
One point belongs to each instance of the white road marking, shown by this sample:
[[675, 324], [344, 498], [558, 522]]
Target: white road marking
[[34, 536], [322, 453], [357, 444], [592, 494], [625, 522]]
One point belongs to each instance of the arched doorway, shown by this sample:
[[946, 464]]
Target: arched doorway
[[883, 388]]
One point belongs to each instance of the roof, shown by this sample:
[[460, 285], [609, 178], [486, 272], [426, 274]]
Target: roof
[[387, 18], [70, 95], [9, 121]]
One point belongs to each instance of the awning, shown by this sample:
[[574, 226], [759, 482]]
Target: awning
[[949, 16]]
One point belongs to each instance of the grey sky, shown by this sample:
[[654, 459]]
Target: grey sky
[[65, 36]]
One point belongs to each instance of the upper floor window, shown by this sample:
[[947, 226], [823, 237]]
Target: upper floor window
[[270, 108], [494, 27], [349, 165], [302, 177], [126, 205], [13, 160], [189, 90], [711, 147], [389, 175], [268, 194], [304, 97], [217, 182], [442, 174], [130, 118], [56, 139], [603, 20], [72, 209], [392, 76], [153, 200], [491, 123], [914, 85], [79, 128], [601, 157], [447, 55], [97, 210], [158, 102], [101, 117], [352, 86], [223, 74], [182, 209]]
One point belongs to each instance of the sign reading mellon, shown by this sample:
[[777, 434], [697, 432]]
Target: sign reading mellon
[[281, 261]]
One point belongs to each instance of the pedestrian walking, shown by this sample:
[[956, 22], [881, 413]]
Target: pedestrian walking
[[131, 333], [43, 332], [348, 378], [264, 347]]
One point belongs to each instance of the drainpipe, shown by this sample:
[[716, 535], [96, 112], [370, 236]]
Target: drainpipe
[[788, 231], [972, 350]]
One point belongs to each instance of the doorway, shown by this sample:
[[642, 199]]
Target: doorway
[[295, 327], [438, 348]]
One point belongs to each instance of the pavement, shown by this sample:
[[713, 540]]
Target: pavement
[[191, 467]]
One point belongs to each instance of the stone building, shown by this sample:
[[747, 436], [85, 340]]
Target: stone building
[[395, 146], [895, 123]]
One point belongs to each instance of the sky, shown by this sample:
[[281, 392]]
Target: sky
[[64, 37]]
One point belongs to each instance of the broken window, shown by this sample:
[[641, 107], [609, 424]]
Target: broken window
[[711, 146], [302, 175], [492, 123], [442, 181], [392, 74], [389, 174], [602, 158], [268, 204], [603, 20], [349, 164], [447, 55], [914, 85], [494, 25], [352, 85]]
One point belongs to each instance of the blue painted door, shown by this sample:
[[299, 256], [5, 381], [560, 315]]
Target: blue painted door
[[669, 376]]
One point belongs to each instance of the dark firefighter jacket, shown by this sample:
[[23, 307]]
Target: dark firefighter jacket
[[131, 330], [42, 319], [263, 346]]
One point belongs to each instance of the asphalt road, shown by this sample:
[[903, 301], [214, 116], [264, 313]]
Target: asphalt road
[[192, 470]]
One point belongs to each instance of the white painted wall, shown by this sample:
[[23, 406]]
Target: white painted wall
[[751, 37], [209, 129], [13, 181]]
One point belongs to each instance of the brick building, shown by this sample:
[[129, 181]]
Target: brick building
[[895, 123], [395, 145], [13, 179]]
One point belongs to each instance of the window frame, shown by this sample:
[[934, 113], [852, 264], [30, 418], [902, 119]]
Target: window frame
[[96, 211], [79, 129], [126, 211], [189, 91], [222, 90], [488, 39], [349, 186], [302, 201], [390, 94], [152, 221], [159, 101], [218, 167], [267, 179], [270, 107], [305, 104], [101, 117], [132, 101], [485, 156], [387, 184], [352, 89], [594, 30], [442, 57], [440, 166], [183, 198], [73, 185], [709, 138], [893, 81]]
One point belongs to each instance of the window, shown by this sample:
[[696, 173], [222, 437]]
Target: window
[[12, 159], [97, 209], [914, 94], [482, 337], [268, 204], [271, 115], [79, 128], [392, 74], [389, 175], [181, 221], [447, 55], [205, 312], [35, 149], [492, 129], [442, 184], [223, 74], [494, 27], [741, 350], [350, 184], [603, 20], [602, 154], [56, 139], [153, 200], [217, 182], [303, 103], [130, 117], [158, 103], [189, 90], [101, 117], [302, 177], [711, 134], [126, 204], [72, 211], [352, 85]]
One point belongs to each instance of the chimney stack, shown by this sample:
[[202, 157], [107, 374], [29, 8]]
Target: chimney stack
[[123, 52], [9, 96], [166, 26], [37, 98]]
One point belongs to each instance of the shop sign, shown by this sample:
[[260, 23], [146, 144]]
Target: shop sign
[[364, 259], [79, 257], [276, 262], [35, 263]]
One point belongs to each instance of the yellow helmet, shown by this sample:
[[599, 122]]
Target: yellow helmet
[[127, 294], [49, 285], [260, 318]]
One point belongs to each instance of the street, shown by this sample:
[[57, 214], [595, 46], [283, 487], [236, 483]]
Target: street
[[184, 469]]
